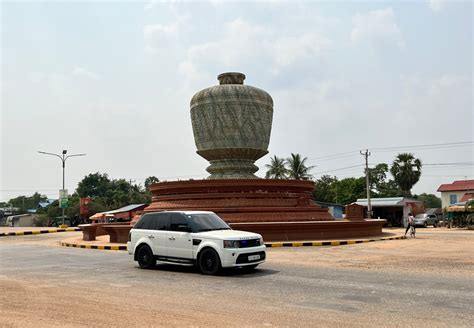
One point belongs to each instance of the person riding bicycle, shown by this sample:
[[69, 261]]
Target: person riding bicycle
[[411, 222]]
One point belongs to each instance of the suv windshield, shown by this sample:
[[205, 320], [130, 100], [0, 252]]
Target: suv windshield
[[420, 216], [200, 222]]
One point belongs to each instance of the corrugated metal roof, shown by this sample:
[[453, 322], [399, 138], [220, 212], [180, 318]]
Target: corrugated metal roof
[[125, 208], [389, 201]]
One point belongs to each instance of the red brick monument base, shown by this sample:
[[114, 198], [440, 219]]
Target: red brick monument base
[[279, 210]]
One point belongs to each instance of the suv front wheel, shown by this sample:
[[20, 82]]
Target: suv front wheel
[[209, 262], [145, 258]]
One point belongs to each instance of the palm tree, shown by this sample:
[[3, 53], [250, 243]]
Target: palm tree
[[406, 170], [276, 169], [297, 169]]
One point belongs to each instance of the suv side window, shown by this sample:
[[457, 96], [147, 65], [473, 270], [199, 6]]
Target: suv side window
[[176, 221], [146, 222], [162, 221]]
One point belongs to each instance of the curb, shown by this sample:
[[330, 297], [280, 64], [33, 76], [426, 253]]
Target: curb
[[269, 245], [328, 243], [36, 232], [104, 247]]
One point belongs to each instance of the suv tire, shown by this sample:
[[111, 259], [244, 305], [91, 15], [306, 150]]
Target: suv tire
[[145, 258], [209, 262]]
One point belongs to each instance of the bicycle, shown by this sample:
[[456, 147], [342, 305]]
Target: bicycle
[[412, 231]]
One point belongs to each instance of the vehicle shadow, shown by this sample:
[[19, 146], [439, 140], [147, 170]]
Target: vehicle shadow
[[227, 272]]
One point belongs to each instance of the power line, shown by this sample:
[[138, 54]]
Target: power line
[[340, 169], [388, 149], [428, 146], [453, 163]]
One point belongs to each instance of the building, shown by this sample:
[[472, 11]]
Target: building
[[125, 213], [393, 209], [456, 192], [21, 220], [336, 210]]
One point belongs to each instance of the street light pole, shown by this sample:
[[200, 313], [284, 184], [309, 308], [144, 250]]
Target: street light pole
[[63, 159]]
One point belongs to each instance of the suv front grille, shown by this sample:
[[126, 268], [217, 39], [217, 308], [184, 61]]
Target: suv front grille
[[249, 243], [244, 258]]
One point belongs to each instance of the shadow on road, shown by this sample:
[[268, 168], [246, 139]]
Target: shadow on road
[[227, 272]]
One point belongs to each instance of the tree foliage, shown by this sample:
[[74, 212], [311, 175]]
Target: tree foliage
[[429, 200], [276, 169], [380, 185], [27, 202], [406, 170], [345, 191], [324, 190], [297, 168], [151, 180]]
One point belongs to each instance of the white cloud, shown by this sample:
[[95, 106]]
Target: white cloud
[[377, 27], [437, 5], [151, 4], [242, 44], [82, 72], [158, 35]]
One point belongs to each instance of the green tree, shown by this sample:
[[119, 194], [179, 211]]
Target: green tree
[[429, 200], [406, 170], [349, 190], [150, 180], [276, 169], [297, 168], [388, 189], [380, 186], [94, 185], [27, 202], [324, 189]]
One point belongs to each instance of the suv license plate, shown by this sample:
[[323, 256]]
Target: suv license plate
[[254, 257]]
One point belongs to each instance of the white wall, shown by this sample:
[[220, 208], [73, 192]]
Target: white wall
[[445, 195]]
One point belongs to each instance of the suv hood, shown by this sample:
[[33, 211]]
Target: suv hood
[[228, 235]]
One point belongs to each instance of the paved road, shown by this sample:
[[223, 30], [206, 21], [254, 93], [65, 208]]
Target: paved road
[[275, 294]]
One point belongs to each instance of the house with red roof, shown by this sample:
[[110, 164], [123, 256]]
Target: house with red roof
[[456, 192]]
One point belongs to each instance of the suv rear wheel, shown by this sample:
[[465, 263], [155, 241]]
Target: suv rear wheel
[[145, 258], [209, 262]]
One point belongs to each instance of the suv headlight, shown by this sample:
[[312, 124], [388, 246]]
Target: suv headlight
[[231, 244], [261, 241]]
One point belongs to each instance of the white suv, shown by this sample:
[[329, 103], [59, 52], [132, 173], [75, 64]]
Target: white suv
[[193, 238]]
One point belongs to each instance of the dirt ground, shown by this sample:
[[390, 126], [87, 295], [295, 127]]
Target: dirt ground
[[86, 303], [434, 251]]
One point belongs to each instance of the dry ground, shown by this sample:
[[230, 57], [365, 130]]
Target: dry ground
[[274, 296]]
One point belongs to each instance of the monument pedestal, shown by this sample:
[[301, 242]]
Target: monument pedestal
[[279, 210]]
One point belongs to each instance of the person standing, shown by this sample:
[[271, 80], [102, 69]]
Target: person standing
[[411, 222]]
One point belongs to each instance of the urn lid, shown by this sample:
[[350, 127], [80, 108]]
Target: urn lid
[[231, 78]]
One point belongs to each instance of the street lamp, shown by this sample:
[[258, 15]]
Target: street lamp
[[63, 159]]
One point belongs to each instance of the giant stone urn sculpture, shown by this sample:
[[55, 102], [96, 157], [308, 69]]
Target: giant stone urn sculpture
[[231, 125]]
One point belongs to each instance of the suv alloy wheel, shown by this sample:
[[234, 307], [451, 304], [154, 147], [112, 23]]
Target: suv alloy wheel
[[145, 258], [209, 262]]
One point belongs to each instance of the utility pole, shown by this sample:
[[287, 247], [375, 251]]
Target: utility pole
[[366, 154]]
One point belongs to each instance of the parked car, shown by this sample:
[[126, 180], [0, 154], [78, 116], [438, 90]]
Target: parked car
[[193, 238], [426, 220]]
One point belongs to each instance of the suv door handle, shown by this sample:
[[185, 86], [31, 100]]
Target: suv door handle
[[151, 237], [171, 238]]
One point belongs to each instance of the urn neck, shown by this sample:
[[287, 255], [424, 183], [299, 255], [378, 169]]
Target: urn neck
[[231, 78]]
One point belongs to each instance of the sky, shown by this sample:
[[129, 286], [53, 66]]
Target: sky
[[114, 80]]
